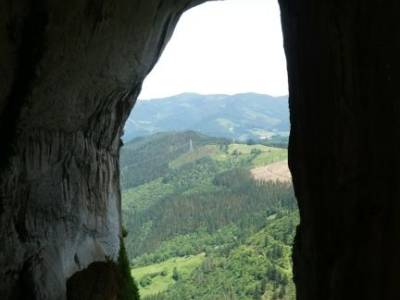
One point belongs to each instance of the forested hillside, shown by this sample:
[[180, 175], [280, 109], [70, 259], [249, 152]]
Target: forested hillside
[[241, 117], [147, 158], [199, 225], [258, 267]]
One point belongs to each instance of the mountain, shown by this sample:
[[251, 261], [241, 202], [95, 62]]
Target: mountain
[[240, 117], [199, 224]]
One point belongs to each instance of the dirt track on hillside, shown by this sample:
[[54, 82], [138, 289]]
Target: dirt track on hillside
[[278, 171]]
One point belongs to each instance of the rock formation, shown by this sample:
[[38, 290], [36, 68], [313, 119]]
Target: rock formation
[[70, 73], [343, 67]]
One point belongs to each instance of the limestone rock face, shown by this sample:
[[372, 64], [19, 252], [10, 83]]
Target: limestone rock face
[[70, 73]]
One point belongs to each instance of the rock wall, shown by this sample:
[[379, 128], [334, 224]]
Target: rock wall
[[70, 73], [343, 62]]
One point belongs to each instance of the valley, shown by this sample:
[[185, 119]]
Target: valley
[[208, 218]]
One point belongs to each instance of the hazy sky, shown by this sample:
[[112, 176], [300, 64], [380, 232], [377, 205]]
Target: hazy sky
[[228, 47]]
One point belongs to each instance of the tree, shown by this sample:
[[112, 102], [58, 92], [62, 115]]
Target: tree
[[175, 274], [250, 142], [128, 289]]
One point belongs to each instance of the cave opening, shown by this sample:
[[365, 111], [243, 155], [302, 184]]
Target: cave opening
[[72, 70], [206, 190]]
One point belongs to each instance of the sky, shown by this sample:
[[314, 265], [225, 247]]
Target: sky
[[223, 47]]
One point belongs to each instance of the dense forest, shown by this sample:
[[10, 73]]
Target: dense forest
[[258, 267], [199, 226]]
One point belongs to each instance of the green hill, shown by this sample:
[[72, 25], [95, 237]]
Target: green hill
[[185, 194], [240, 117], [147, 158]]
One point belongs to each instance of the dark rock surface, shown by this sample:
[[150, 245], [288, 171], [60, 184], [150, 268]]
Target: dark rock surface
[[70, 73], [99, 281], [343, 62]]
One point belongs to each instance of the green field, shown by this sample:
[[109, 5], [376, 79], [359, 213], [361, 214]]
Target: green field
[[158, 278], [259, 155], [232, 155]]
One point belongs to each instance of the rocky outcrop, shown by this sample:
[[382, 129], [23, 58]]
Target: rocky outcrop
[[70, 73]]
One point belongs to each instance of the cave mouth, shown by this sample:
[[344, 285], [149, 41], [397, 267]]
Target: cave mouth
[[171, 167], [72, 70]]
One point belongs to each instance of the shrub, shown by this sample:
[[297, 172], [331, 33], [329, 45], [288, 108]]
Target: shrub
[[128, 289]]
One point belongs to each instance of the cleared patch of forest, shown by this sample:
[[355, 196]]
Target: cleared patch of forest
[[278, 171]]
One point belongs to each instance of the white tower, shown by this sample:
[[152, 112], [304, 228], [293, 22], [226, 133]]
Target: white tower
[[190, 145]]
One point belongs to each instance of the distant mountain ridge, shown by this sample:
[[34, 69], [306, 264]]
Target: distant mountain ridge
[[242, 116]]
